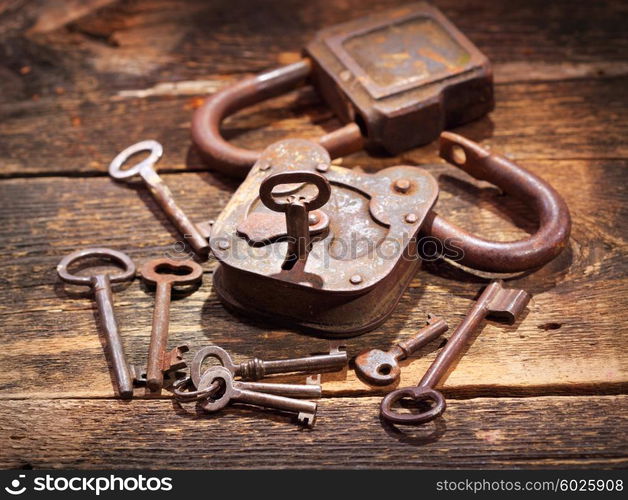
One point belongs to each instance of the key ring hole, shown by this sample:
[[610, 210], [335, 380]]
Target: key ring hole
[[154, 149], [223, 396], [91, 256], [218, 353], [384, 369], [167, 269]]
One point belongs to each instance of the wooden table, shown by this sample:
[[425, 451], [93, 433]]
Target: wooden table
[[80, 83]]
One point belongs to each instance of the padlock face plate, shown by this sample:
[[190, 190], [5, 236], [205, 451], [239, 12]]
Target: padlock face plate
[[371, 223], [403, 74]]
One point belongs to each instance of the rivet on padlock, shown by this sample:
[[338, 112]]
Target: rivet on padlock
[[396, 79]]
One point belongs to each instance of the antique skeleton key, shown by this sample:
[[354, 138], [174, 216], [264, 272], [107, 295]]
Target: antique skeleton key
[[101, 285], [256, 368], [234, 391], [163, 273], [197, 235]]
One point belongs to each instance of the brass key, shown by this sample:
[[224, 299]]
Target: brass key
[[496, 301]]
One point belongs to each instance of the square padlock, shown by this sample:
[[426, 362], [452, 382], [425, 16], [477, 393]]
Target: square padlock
[[395, 79], [402, 75]]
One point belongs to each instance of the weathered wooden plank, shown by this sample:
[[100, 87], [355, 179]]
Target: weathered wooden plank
[[562, 120], [138, 44], [569, 341], [556, 432]]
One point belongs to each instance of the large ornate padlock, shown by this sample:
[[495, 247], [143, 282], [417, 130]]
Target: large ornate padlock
[[325, 248], [396, 79]]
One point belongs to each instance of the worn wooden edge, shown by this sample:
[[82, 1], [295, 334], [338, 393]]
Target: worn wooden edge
[[556, 432]]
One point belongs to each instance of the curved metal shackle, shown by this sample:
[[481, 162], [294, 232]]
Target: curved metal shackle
[[496, 256], [235, 161]]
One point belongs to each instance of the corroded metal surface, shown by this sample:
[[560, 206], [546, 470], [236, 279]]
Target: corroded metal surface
[[538, 249], [356, 269], [236, 161], [360, 264], [403, 74]]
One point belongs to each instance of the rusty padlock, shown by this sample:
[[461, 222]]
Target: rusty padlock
[[396, 79], [329, 249]]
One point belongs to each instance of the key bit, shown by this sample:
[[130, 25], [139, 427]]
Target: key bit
[[379, 367], [172, 363]]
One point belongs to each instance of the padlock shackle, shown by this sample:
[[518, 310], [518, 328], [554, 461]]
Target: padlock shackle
[[237, 162], [496, 256]]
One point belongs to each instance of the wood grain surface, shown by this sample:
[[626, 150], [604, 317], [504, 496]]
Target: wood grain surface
[[80, 84]]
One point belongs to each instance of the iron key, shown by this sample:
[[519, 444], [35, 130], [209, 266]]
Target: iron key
[[101, 285], [154, 272], [382, 368], [256, 368], [290, 390], [196, 234], [234, 391], [496, 301]]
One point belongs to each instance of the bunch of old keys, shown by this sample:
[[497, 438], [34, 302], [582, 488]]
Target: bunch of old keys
[[395, 79]]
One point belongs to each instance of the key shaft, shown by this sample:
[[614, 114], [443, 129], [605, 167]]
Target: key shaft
[[256, 368]]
